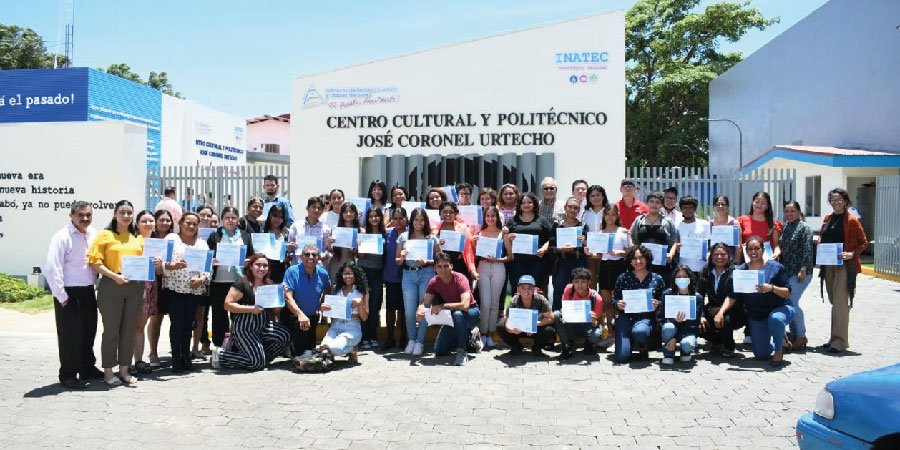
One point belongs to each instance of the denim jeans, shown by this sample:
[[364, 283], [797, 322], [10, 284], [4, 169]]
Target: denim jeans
[[768, 334], [342, 336], [686, 343], [798, 325], [414, 283], [375, 277], [491, 278], [628, 329], [568, 331], [463, 323]]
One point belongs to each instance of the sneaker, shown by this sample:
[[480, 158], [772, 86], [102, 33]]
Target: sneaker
[[214, 362], [365, 345], [461, 358], [607, 342], [410, 347], [685, 358], [490, 342], [668, 361], [566, 353], [475, 343], [748, 340], [418, 349]]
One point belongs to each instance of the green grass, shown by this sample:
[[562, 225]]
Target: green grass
[[870, 265], [33, 306]]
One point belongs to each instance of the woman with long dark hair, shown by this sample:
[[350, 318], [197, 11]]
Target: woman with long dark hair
[[251, 222], [275, 225], [722, 315], [344, 334], [612, 265], [373, 267], [349, 218], [491, 275], [225, 276], [399, 194], [680, 333], [656, 228], [507, 199], [760, 221], [594, 210], [636, 328], [567, 257], [798, 260], [154, 308], [527, 221], [393, 281], [416, 275], [377, 194]]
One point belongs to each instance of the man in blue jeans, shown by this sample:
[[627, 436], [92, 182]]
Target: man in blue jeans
[[450, 290]]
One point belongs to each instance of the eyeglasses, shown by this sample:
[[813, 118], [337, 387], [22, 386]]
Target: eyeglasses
[[310, 254], [549, 188]]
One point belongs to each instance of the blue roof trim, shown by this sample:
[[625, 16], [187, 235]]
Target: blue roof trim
[[826, 160]]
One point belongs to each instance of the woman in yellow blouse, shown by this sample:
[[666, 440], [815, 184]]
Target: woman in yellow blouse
[[118, 299]]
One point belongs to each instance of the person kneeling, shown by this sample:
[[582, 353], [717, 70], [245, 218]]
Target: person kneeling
[[344, 334], [449, 290], [634, 323], [526, 298], [680, 332], [591, 330]]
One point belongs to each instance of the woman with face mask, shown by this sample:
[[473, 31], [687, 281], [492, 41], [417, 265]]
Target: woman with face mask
[[680, 332]]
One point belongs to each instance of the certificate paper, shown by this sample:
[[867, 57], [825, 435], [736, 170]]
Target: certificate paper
[[525, 244], [523, 319], [159, 248], [659, 253], [638, 300], [681, 303], [489, 247], [410, 206], [198, 259], [568, 236], [231, 254], [303, 241], [340, 307], [371, 243], [441, 318], [726, 234], [827, 254], [694, 249], [266, 244], [344, 237], [600, 243], [205, 233], [454, 241], [746, 281], [471, 215], [270, 296], [434, 218], [576, 311], [450, 191], [138, 268], [417, 249], [363, 205]]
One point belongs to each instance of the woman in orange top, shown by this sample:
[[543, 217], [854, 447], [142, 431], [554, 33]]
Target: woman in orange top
[[761, 222], [463, 262], [118, 299]]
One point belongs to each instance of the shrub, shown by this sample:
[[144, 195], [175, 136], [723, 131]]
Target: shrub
[[14, 290]]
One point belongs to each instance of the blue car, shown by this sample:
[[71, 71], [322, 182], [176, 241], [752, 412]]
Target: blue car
[[860, 411]]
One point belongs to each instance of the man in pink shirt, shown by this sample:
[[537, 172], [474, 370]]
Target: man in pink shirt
[[71, 281], [450, 290], [629, 206], [170, 204]]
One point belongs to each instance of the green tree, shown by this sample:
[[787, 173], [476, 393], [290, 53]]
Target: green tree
[[23, 48], [672, 54], [158, 81]]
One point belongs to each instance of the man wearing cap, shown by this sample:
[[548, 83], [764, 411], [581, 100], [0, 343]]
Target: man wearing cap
[[629, 206], [526, 298], [450, 290]]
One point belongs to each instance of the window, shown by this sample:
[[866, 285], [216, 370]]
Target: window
[[813, 199], [271, 148]]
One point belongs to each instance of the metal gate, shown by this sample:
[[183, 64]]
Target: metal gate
[[887, 233], [221, 186]]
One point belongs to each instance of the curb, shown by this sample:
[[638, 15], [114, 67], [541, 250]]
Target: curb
[[872, 273]]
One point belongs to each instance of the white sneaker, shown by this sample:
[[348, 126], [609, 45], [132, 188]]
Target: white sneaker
[[418, 349], [305, 356], [685, 358], [748, 340], [461, 358], [668, 361], [410, 346], [214, 362]]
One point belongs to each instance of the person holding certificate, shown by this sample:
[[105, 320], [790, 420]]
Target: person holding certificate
[[491, 275], [184, 290], [418, 270], [276, 225], [594, 211], [569, 252], [251, 222], [693, 234], [450, 290], [655, 228], [612, 265], [679, 328], [335, 201], [372, 265], [434, 198], [312, 226], [487, 197], [225, 276], [527, 221], [349, 218], [304, 285], [507, 201], [527, 298], [463, 262], [377, 194], [635, 322], [588, 325], [393, 281], [841, 227], [769, 309], [760, 221], [258, 338], [118, 299], [722, 315], [722, 218], [798, 260], [344, 334], [399, 194], [155, 226]]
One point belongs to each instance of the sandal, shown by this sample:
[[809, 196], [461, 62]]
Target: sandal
[[128, 380], [113, 382], [786, 345], [142, 367]]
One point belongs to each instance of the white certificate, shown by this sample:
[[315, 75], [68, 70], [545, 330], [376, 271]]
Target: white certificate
[[523, 319], [231, 254], [270, 296], [726, 234], [600, 243], [576, 311], [303, 241], [525, 244], [454, 241], [681, 303], [340, 307], [363, 205], [694, 249], [205, 233], [659, 253], [410, 206], [568, 236], [138, 268], [471, 215], [441, 318], [198, 259], [331, 219], [417, 249], [827, 254], [638, 300], [450, 192], [488, 247], [434, 218], [746, 281], [371, 243], [344, 237], [265, 243], [159, 248]]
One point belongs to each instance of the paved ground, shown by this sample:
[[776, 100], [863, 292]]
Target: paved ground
[[391, 401]]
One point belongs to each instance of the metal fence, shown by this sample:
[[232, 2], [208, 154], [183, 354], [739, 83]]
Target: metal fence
[[887, 233], [221, 186], [699, 182]]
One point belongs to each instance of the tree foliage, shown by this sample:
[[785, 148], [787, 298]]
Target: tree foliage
[[672, 54], [158, 81], [23, 48]]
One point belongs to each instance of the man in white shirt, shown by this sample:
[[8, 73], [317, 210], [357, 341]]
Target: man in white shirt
[[550, 207], [71, 281], [690, 231], [670, 205]]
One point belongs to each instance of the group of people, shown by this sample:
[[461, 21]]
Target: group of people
[[429, 267]]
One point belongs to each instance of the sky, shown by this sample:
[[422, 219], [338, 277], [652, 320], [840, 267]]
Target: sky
[[240, 57]]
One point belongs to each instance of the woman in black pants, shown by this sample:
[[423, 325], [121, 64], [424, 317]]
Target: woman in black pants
[[527, 221], [224, 276], [718, 324]]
